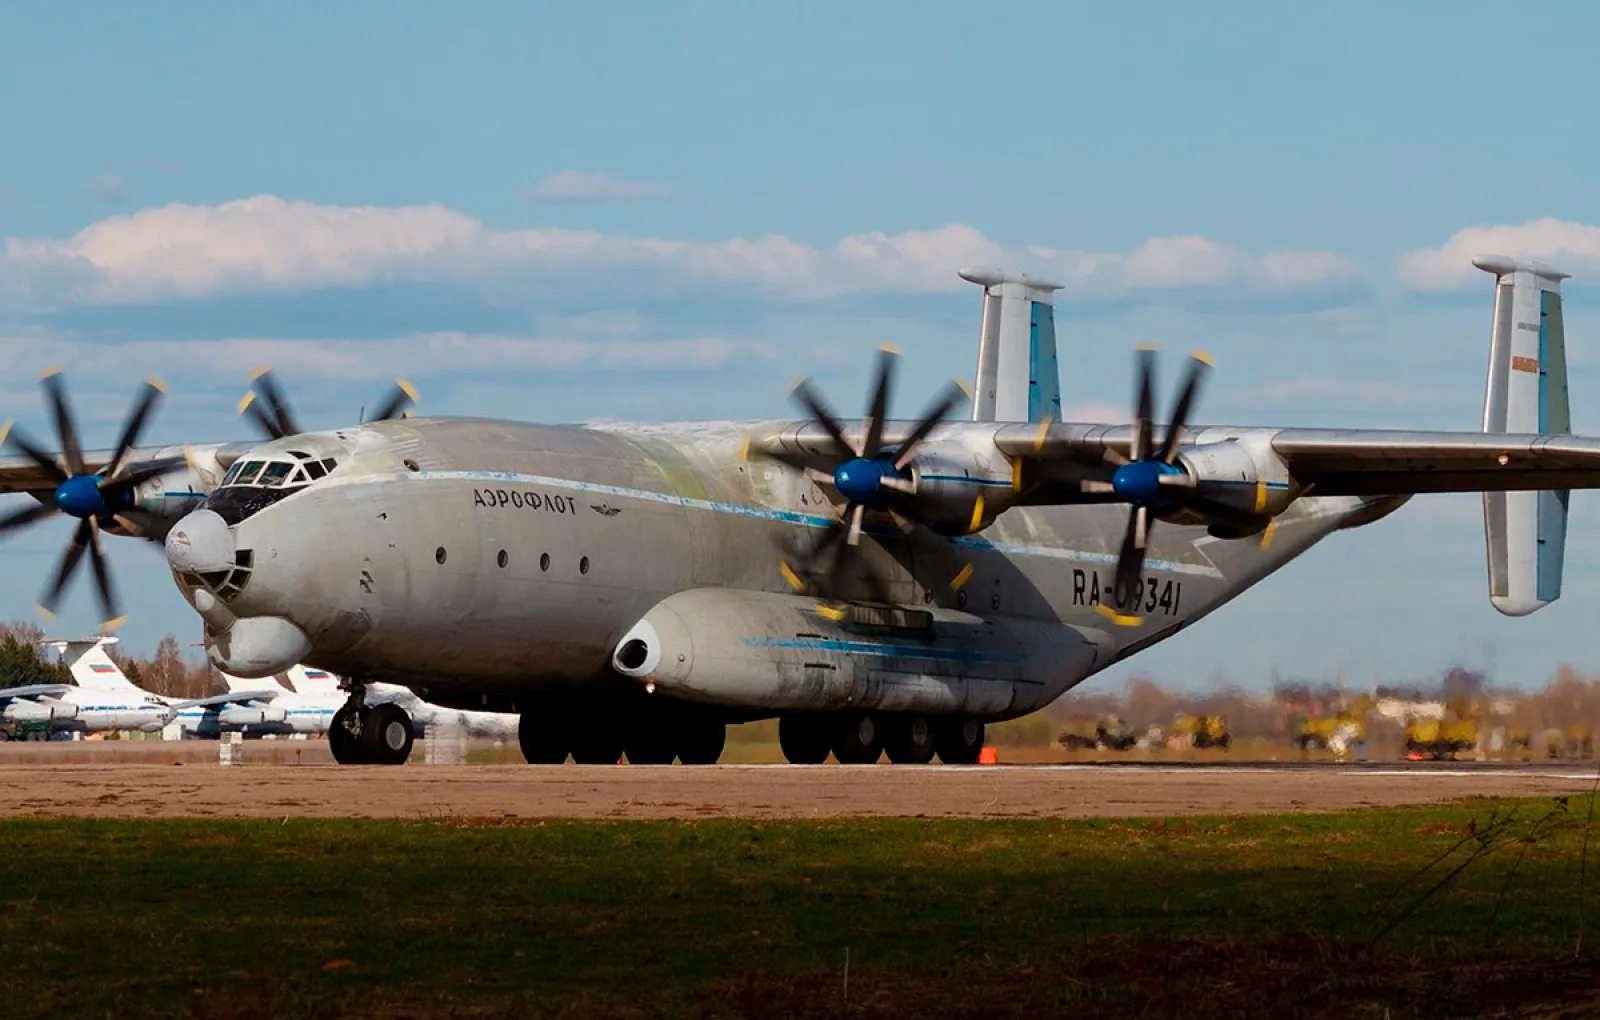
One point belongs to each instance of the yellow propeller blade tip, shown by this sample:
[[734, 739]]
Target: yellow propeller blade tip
[[114, 624], [833, 613], [1266, 536], [1145, 345], [1202, 356], [966, 387], [1016, 475], [5, 430], [47, 614], [977, 514], [155, 381], [408, 389], [744, 451], [246, 401], [799, 381], [47, 373], [259, 372], [790, 576], [1117, 618], [961, 579], [889, 348]]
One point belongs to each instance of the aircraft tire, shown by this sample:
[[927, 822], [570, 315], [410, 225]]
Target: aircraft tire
[[653, 742], [909, 739], [346, 746], [857, 739], [701, 741], [597, 741], [805, 739], [387, 734], [960, 741], [542, 738]]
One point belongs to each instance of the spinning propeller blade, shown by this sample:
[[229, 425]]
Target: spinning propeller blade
[[267, 407], [95, 499], [1150, 479], [867, 474]]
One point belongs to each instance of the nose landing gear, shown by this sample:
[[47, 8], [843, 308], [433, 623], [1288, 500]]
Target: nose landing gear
[[376, 735]]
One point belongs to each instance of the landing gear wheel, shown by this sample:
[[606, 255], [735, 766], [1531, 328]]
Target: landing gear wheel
[[960, 741], [909, 739], [804, 739], [701, 741], [345, 745], [597, 741], [857, 739], [653, 741], [541, 737], [387, 735]]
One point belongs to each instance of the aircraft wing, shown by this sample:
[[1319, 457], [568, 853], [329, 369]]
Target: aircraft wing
[[23, 474], [35, 691], [1342, 462], [231, 698]]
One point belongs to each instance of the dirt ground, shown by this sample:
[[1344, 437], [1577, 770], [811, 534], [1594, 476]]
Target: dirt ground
[[152, 779]]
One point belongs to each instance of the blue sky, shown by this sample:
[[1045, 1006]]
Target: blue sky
[[648, 211]]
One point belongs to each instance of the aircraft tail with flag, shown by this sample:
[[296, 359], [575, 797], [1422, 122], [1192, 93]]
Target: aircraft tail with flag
[[92, 667], [1525, 532]]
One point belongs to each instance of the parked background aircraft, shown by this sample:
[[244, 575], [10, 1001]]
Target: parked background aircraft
[[887, 587], [99, 701]]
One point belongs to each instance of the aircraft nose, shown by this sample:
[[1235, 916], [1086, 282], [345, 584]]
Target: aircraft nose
[[199, 543]]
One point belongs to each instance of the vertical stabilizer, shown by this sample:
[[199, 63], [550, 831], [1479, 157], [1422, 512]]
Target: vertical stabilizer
[[1018, 378], [1526, 532], [91, 666]]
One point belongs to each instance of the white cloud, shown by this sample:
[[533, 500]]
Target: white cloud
[[1569, 246], [420, 355], [577, 186], [268, 244]]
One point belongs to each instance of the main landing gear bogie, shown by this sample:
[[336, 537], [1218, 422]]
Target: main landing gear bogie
[[549, 734], [862, 738], [376, 735]]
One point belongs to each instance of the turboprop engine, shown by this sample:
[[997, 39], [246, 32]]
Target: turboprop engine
[[44, 710], [784, 652]]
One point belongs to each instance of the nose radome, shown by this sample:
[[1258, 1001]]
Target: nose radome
[[200, 542]]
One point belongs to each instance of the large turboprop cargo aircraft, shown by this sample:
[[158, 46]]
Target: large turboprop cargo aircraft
[[882, 586]]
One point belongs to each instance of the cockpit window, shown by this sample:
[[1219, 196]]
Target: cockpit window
[[247, 474], [274, 474], [315, 469]]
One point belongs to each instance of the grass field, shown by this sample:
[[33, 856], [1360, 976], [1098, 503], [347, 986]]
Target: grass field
[[1480, 909]]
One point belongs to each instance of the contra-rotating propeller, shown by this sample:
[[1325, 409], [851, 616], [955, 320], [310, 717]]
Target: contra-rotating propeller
[[276, 421], [1152, 480], [868, 474], [94, 498]]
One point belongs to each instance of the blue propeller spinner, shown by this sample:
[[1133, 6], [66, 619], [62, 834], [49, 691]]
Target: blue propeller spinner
[[95, 498]]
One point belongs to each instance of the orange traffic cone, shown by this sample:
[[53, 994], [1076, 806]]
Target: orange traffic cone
[[988, 756]]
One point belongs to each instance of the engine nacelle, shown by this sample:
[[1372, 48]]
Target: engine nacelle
[[19, 711], [250, 715], [1245, 480], [960, 490], [760, 650]]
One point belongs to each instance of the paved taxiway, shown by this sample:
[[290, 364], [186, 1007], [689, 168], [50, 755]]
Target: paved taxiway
[[751, 791]]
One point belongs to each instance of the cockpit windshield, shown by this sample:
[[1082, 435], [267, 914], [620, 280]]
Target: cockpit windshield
[[254, 484]]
